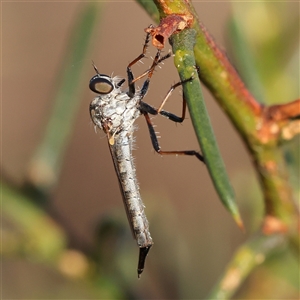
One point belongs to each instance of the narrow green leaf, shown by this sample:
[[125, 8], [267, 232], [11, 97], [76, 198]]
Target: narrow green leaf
[[183, 44], [150, 8], [46, 162]]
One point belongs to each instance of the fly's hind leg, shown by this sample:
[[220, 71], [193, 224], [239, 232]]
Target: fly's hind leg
[[147, 109]]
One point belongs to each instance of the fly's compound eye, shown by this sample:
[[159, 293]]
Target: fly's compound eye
[[100, 85]]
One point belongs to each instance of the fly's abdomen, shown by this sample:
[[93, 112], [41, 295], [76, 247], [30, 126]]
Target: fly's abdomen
[[123, 161]]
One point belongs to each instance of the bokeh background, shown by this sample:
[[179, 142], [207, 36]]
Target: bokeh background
[[194, 235]]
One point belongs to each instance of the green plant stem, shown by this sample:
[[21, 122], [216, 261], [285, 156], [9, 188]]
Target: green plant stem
[[250, 255]]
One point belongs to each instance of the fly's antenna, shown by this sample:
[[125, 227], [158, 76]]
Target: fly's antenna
[[95, 68]]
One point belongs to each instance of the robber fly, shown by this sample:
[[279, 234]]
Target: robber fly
[[115, 111]]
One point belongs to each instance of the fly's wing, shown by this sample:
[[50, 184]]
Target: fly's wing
[[113, 151]]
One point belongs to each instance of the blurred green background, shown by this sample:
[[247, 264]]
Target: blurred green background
[[75, 243]]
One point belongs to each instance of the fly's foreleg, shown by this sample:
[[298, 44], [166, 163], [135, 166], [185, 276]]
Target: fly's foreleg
[[130, 76], [157, 60]]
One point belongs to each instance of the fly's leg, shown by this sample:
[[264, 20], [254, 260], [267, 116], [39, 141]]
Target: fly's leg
[[171, 116], [147, 109], [130, 77], [131, 80], [157, 60], [157, 148]]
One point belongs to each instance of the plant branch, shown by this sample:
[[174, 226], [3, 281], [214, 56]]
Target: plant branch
[[261, 127], [250, 255]]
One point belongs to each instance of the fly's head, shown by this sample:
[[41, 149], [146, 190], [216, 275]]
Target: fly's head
[[108, 107], [106, 88]]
